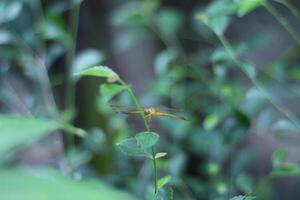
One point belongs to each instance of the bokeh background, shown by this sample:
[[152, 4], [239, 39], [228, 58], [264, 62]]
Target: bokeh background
[[230, 66]]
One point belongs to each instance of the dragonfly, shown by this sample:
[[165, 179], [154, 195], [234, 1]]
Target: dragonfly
[[148, 112]]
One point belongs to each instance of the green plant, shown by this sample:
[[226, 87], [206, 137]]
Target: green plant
[[141, 143]]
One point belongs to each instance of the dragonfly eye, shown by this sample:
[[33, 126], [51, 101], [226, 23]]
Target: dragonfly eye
[[147, 111]]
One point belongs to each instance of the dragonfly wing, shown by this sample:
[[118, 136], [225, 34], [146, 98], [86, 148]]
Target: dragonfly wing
[[158, 113]]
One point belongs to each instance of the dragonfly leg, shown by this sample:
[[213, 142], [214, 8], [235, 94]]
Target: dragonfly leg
[[149, 120]]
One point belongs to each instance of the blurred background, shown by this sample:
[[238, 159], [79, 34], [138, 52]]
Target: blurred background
[[231, 66]]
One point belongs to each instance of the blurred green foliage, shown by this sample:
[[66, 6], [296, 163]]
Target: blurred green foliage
[[198, 68]]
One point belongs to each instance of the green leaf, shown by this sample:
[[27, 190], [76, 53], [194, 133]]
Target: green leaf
[[217, 15], [160, 155], [9, 10], [169, 22], [99, 71], [53, 28], [16, 131], [163, 61], [146, 139], [163, 181], [5, 37], [87, 58], [243, 198], [244, 183], [211, 121], [130, 147], [17, 184], [246, 6], [286, 169], [278, 157], [284, 126], [110, 90]]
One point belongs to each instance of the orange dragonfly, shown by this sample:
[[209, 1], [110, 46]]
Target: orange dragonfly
[[148, 112]]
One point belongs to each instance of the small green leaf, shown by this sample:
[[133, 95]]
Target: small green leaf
[[130, 147], [286, 169], [217, 15], [246, 6], [244, 183], [278, 157], [147, 139], [53, 28], [160, 155], [110, 90], [169, 22], [163, 181], [211, 121], [240, 197], [99, 71]]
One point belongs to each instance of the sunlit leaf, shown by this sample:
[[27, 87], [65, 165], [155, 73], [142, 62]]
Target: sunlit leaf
[[160, 155], [246, 6], [99, 71], [211, 121], [17, 184], [108, 91], [147, 139], [16, 131], [163, 181]]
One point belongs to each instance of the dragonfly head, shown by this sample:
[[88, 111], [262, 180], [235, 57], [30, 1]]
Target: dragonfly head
[[149, 111]]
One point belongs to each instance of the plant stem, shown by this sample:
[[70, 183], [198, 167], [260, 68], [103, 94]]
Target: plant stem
[[283, 22], [233, 56], [70, 87], [147, 127], [291, 7], [154, 170]]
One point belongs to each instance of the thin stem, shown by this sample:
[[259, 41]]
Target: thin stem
[[291, 7], [147, 127], [154, 170], [233, 56], [283, 22], [73, 29]]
